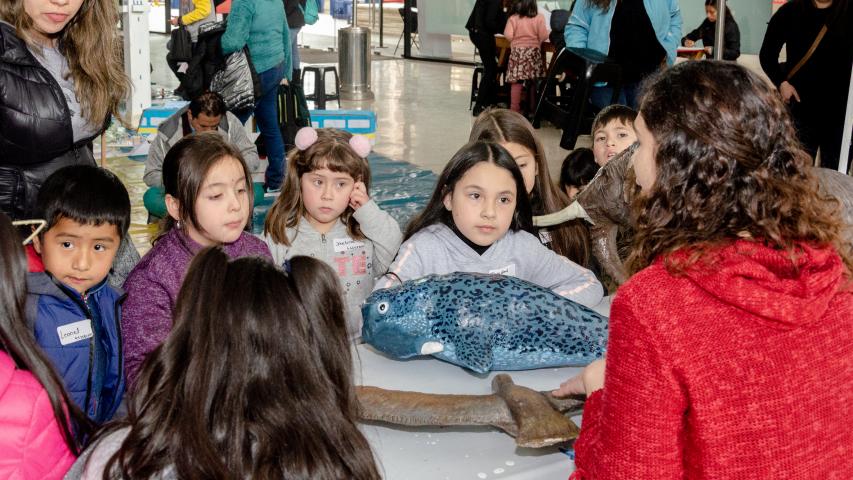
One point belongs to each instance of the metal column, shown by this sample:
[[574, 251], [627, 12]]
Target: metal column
[[719, 33]]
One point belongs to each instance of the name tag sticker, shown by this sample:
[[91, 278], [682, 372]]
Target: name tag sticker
[[74, 332], [508, 270], [344, 244]]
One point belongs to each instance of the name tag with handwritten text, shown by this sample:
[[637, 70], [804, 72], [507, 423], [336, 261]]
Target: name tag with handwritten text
[[75, 332], [344, 244], [508, 270]]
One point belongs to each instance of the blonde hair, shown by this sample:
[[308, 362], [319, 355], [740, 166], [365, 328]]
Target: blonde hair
[[90, 43], [331, 150]]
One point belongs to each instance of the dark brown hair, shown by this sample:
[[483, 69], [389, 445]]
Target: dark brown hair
[[467, 157], [331, 150], [91, 44], [185, 168], [713, 3], [728, 166], [17, 341], [506, 126], [578, 168], [625, 115], [524, 8], [243, 388], [208, 103]]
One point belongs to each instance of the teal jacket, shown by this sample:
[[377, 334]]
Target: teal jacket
[[589, 27], [262, 26]]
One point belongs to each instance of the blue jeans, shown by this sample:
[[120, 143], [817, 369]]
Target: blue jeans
[[600, 96], [266, 116]]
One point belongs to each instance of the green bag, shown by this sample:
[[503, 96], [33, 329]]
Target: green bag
[[310, 12]]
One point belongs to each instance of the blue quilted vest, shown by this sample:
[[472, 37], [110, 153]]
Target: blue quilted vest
[[67, 326]]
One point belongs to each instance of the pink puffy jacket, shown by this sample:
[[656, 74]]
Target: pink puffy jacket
[[31, 442]]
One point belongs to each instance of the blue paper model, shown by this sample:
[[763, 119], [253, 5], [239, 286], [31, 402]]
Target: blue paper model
[[483, 322]]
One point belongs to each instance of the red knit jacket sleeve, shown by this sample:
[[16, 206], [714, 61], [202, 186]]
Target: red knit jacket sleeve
[[632, 428]]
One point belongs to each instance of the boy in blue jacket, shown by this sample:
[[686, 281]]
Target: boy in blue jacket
[[74, 313]]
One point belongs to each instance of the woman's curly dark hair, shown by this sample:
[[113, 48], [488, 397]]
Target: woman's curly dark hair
[[729, 166]]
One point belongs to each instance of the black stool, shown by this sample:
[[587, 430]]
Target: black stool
[[574, 72], [319, 95]]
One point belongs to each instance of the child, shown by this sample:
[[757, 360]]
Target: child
[[474, 222], [525, 31], [578, 169], [73, 311], [237, 390], [325, 212], [707, 30], [206, 183], [738, 315], [513, 132], [612, 132], [37, 439]]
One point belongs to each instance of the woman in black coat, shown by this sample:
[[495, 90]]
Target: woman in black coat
[[707, 30], [62, 77], [817, 91]]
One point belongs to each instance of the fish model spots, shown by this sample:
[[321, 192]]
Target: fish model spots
[[483, 322]]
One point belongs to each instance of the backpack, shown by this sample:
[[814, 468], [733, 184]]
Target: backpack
[[309, 12]]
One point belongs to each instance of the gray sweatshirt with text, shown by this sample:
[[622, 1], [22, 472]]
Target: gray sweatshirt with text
[[437, 249], [357, 262]]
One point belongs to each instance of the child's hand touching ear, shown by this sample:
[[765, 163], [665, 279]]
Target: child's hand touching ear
[[359, 196]]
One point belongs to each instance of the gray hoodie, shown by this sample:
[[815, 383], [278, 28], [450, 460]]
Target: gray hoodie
[[357, 262], [171, 130], [437, 249]]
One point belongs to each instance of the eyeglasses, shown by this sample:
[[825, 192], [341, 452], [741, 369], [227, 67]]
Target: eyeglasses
[[39, 226]]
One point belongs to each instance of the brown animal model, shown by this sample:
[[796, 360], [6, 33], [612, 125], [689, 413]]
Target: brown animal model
[[606, 201], [535, 419]]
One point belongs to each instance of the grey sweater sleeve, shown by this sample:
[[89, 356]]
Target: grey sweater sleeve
[[383, 231], [153, 176], [563, 276], [406, 266], [240, 139]]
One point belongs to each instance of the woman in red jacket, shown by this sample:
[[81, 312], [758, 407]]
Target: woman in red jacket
[[730, 347], [36, 440]]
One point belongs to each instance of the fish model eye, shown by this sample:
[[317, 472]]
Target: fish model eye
[[382, 307]]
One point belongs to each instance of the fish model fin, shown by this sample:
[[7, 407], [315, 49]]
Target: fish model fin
[[474, 351]]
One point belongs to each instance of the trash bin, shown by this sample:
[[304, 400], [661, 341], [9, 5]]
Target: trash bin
[[354, 59]]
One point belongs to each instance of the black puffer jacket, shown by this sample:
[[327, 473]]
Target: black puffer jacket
[[36, 137]]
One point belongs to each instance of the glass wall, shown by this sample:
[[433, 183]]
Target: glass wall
[[441, 33]]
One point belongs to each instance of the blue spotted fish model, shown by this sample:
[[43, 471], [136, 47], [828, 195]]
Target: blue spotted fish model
[[482, 322]]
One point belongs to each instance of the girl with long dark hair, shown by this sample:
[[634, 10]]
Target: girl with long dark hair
[[241, 390], [513, 132], [477, 220]]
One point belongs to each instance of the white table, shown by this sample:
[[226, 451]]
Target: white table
[[406, 453]]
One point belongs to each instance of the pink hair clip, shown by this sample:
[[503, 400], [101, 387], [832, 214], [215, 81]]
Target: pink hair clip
[[307, 136]]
